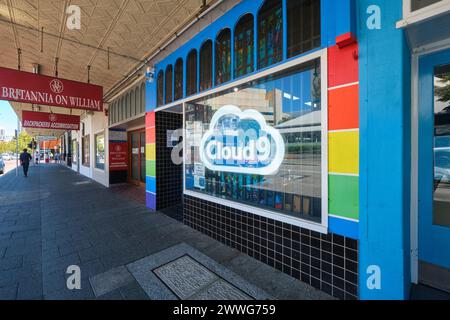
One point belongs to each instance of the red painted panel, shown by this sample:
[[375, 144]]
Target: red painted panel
[[343, 108], [150, 119], [342, 65]]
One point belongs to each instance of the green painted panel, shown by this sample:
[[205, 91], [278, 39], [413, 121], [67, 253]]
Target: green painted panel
[[343, 196], [151, 168]]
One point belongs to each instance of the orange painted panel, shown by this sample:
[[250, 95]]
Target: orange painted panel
[[343, 108], [150, 135], [150, 119]]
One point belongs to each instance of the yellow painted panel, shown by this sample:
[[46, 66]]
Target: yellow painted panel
[[343, 152], [150, 151]]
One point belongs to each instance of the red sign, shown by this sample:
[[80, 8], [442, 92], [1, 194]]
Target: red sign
[[33, 88], [52, 121], [118, 156]]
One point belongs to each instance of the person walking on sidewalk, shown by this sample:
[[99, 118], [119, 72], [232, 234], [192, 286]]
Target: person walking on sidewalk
[[25, 159]]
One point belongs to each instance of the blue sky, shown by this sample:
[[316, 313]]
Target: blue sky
[[8, 118]]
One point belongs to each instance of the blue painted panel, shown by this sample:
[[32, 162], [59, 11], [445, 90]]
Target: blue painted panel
[[384, 230], [346, 228], [151, 184], [434, 240]]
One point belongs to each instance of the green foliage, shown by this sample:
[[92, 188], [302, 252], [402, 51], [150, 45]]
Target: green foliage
[[10, 147]]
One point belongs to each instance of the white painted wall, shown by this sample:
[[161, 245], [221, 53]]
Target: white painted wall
[[93, 124]]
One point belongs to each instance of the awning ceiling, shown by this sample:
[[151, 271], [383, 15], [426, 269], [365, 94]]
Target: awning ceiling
[[130, 30]]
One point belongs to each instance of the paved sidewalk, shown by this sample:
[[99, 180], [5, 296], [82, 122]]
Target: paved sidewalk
[[57, 218]]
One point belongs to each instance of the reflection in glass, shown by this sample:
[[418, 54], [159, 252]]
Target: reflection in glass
[[191, 73], [441, 214], [160, 89], [223, 57], [291, 103], [100, 151], [270, 33], [206, 66], [243, 46], [178, 79], [169, 84]]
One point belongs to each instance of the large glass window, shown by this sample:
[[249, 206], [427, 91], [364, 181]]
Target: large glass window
[[244, 46], [169, 84], [85, 141], [179, 79], [270, 33], [223, 57], [206, 66], [303, 26], [191, 73], [420, 4], [100, 151], [441, 214], [235, 153], [160, 89]]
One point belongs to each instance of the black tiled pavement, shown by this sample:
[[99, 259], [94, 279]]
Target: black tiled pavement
[[57, 218]]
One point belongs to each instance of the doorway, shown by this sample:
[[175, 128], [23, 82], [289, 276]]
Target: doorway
[[136, 143], [434, 170]]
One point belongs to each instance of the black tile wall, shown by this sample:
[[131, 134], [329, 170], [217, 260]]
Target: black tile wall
[[326, 262], [169, 182]]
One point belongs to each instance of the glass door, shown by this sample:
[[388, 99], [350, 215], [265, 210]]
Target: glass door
[[434, 170], [137, 157]]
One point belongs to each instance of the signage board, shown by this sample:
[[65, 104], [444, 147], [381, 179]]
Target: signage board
[[241, 142], [52, 121], [33, 88], [46, 138], [118, 150]]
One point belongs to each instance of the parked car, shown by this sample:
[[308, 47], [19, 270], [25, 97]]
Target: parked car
[[2, 166], [6, 157]]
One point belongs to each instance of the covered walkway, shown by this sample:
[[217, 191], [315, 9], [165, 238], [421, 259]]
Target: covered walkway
[[57, 218]]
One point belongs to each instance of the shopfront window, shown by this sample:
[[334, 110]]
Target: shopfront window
[[441, 214], [303, 26], [169, 84], [223, 57], [74, 151], [179, 79], [206, 66], [244, 46], [260, 144], [160, 89], [191, 73], [270, 33], [86, 151], [100, 151]]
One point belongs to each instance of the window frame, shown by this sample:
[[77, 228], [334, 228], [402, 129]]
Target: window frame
[[240, 23], [168, 84], [194, 72], [321, 227], [266, 14], [227, 72], [412, 17], [179, 64], [206, 84]]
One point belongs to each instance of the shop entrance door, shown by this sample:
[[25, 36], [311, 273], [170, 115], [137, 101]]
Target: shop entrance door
[[434, 170], [136, 141]]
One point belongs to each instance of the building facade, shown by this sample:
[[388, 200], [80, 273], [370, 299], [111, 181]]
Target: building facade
[[311, 135]]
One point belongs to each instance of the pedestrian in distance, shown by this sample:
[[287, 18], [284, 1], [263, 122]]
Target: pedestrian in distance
[[25, 159]]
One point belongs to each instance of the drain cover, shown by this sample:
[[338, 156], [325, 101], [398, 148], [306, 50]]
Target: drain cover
[[188, 279]]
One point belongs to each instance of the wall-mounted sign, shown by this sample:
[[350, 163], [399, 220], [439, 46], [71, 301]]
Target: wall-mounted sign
[[118, 150], [52, 121], [241, 142], [33, 88]]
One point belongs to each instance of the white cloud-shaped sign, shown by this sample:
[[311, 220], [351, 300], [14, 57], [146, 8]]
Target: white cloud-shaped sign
[[242, 142]]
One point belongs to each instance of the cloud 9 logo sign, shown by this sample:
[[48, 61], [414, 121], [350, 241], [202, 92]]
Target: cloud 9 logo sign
[[241, 142]]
